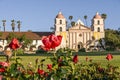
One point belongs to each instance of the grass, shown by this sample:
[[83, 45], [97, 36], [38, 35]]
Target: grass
[[99, 57]]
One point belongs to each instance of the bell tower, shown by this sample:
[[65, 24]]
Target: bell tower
[[60, 28], [98, 26], [60, 23]]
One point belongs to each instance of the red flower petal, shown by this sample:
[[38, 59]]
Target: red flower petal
[[49, 66], [2, 70], [4, 64], [41, 72], [46, 42], [109, 57], [75, 59], [14, 44]]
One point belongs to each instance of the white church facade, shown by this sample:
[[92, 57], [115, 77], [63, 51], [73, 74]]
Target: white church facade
[[80, 36]]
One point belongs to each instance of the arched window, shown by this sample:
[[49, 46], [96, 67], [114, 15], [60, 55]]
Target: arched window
[[98, 22], [98, 29], [60, 29], [60, 21]]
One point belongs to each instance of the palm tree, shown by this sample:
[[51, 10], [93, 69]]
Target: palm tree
[[85, 17], [19, 25], [4, 24], [104, 16], [13, 25], [72, 23], [70, 18], [52, 28]]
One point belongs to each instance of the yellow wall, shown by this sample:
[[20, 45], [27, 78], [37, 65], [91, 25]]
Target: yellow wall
[[96, 35], [64, 34]]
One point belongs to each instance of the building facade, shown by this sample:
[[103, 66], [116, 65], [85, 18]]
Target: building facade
[[80, 36]]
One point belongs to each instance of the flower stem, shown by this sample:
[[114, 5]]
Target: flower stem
[[15, 54]]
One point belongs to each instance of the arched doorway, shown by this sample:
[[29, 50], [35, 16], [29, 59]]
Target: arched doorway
[[80, 45]]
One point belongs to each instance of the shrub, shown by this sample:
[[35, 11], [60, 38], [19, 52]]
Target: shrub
[[110, 49], [40, 51], [63, 66], [82, 50], [20, 51]]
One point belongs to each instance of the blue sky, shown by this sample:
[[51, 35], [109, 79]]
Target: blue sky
[[39, 15]]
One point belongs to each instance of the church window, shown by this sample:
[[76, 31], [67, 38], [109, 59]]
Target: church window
[[60, 21], [60, 29], [80, 35], [98, 29], [98, 22]]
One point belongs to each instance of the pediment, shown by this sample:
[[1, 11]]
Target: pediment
[[79, 27]]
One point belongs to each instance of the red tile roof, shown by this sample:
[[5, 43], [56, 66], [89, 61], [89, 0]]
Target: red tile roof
[[29, 35], [43, 33]]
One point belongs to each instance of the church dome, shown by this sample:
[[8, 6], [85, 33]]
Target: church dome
[[97, 16], [60, 15]]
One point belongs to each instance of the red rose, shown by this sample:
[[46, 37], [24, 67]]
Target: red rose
[[49, 66], [2, 70], [109, 57], [55, 40], [46, 42], [75, 59], [14, 44], [41, 72], [4, 64], [51, 41]]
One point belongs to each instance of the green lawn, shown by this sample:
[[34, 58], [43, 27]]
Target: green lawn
[[82, 58]]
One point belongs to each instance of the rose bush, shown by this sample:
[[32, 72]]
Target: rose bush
[[64, 66]]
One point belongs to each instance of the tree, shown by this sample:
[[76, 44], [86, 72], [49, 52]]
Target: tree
[[4, 24], [13, 25], [52, 28], [104, 16], [24, 41], [70, 18], [27, 42], [19, 25], [22, 38], [85, 17], [11, 36], [112, 39], [72, 23]]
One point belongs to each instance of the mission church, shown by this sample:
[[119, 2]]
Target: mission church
[[75, 37], [80, 35]]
